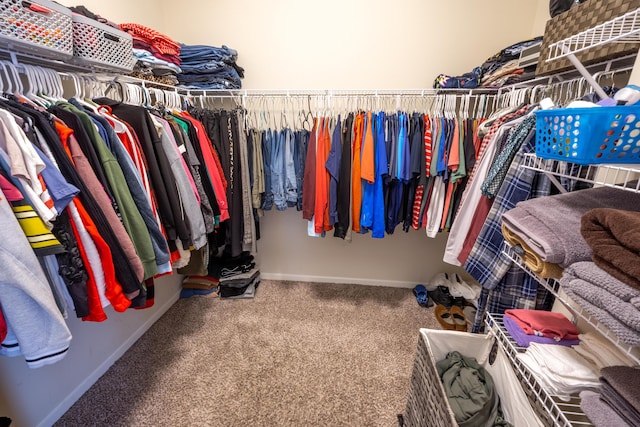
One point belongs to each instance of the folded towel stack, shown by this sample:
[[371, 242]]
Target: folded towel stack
[[550, 226], [614, 304]]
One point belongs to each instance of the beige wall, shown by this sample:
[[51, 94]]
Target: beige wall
[[356, 44], [541, 18]]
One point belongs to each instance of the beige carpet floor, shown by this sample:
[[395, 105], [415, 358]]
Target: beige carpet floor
[[298, 354]]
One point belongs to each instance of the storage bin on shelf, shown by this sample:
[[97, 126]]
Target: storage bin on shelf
[[101, 46], [589, 135], [427, 404], [42, 28]]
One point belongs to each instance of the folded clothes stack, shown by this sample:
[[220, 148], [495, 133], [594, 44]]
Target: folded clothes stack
[[227, 266], [501, 69], [613, 303], [561, 370], [523, 339], [199, 286], [239, 277], [241, 285], [209, 67], [158, 56], [543, 327]]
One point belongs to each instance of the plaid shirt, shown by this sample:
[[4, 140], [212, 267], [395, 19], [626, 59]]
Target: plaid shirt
[[509, 295], [486, 263], [158, 40]]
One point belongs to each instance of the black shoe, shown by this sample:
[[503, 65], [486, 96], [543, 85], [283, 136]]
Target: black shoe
[[440, 295], [459, 301]]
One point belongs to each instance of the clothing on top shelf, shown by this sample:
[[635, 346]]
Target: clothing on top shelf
[[157, 55], [209, 67]]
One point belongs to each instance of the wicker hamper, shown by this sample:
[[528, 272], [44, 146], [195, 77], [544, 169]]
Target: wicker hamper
[[427, 404], [580, 18]]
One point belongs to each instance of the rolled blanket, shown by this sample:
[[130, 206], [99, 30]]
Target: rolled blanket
[[614, 238], [531, 259], [550, 225]]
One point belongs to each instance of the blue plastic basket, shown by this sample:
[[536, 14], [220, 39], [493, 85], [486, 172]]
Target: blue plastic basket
[[589, 135]]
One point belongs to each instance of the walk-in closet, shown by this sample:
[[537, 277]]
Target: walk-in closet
[[284, 213]]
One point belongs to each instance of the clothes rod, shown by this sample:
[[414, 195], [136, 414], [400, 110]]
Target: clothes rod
[[221, 93]]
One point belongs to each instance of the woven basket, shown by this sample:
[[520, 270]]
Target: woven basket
[[427, 404], [580, 18]]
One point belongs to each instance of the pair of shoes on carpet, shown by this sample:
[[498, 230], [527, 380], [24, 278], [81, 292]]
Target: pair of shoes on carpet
[[422, 296], [451, 319]]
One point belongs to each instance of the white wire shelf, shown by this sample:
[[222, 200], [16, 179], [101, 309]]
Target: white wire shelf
[[551, 409], [553, 286], [622, 177], [624, 28]]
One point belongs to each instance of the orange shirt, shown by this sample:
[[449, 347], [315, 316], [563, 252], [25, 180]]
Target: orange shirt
[[356, 180], [321, 210], [367, 164]]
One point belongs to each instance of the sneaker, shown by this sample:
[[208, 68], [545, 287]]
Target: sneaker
[[440, 295]]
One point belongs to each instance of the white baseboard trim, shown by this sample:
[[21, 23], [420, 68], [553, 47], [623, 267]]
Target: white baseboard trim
[[332, 279], [69, 400]]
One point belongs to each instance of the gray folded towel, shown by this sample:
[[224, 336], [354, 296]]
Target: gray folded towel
[[624, 380], [591, 283], [626, 334], [591, 272], [598, 412], [551, 225]]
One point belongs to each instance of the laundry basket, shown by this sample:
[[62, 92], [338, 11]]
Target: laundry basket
[[427, 404], [589, 135]]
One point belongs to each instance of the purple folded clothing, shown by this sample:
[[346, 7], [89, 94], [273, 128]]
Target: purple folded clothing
[[523, 340]]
